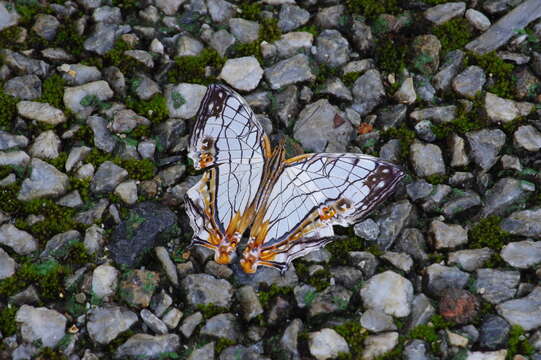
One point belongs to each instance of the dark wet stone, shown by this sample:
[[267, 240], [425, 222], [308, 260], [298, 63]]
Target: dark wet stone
[[506, 27], [439, 278], [458, 305], [24, 65], [412, 242], [332, 48], [427, 54], [417, 350], [137, 287], [525, 223], [147, 346], [279, 310], [485, 145], [222, 326], [494, 333], [496, 286], [26, 87], [421, 311], [368, 92], [392, 220], [524, 311], [140, 232], [391, 116], [291, 17], [443, 78], [507, 193]]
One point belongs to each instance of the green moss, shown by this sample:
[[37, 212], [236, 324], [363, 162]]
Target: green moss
[[97, 157], [339, 249], [320, 280], [500, 72], [437, 179], [127, 5], [115, 57], [404, 134], [78, 255], [210, 310], [372, 8], [58, 219], [488, 233], [350, 78], [46, 275], [9, 37], [8, 326], [453, 34], [391, 54], [8, 110], [265, 296], [465, 121], [84, 135], [141, 131], [116, 54], [52, 91], [27, 9], [518, 343], [59, 162], [250, 10], [69, 39], [323, 72], [119, 340], [248, 49], [354, 334], [511, 126], [81, 185], [269, 30], [48, 353], [139, 169], [8, 199], [143, 169], [312, 29], [429, 332], [222, 344], [192, 68], [435, 2]]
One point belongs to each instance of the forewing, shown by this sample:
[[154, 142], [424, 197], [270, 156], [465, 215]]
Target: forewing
[[226, 131], [315, 192], [228, 141]]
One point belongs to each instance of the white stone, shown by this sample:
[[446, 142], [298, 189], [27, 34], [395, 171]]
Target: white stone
[[46, 145], [377, 345], [45, 325], [456, 339], [478, 19], [7, 265], [20, 241], [406, 93], [188, 96], [127, 191], [73, 96], [42, 112], [104, 280], [487, 355], [327, 344], [504, 110], [388, 292], [242, 73]]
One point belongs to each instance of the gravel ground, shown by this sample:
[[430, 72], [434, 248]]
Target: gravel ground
[[97, 98]]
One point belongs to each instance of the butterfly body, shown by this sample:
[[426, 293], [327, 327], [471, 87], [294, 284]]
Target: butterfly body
[[290, 205]]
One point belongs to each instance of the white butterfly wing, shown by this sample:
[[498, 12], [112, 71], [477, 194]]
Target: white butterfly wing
[[313, 193], [229, 142]]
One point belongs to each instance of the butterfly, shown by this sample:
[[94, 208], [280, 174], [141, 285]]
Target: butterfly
[[290, 205]]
